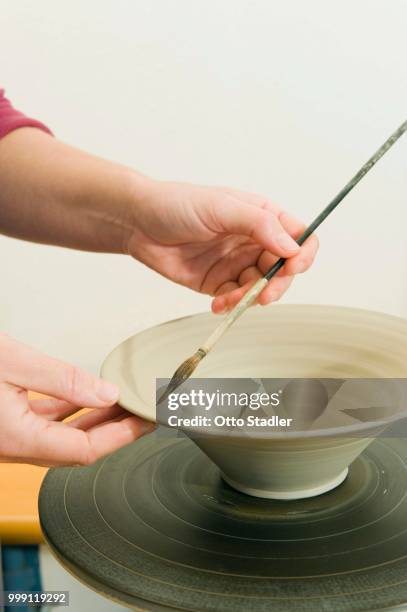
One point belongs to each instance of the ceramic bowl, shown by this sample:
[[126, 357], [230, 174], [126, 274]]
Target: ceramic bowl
[[282, 341]]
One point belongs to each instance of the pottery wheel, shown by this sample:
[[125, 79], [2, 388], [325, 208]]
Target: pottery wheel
[[154, 527]]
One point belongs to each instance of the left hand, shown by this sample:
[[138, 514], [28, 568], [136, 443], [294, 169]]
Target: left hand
[[218, 241], [32, 431]]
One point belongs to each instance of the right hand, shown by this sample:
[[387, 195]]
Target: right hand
[[32, 431], [217, 240]]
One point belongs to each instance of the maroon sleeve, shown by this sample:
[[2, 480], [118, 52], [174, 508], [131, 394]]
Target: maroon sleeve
[[11, 119]]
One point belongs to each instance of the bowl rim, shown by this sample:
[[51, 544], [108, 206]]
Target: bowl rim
[[278, 435]]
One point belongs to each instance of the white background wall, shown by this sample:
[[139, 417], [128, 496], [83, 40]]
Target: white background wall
[[287, 98]]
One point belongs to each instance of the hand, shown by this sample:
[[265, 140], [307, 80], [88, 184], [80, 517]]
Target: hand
[[218, 241], [214, 240], [31, 431]]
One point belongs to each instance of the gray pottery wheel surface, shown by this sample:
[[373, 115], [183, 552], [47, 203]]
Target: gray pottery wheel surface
[[154, 527]]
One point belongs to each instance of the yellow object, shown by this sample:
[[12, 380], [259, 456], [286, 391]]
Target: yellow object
[[19, 486]]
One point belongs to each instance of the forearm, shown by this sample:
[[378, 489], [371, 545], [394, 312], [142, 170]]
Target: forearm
[[56, 194]]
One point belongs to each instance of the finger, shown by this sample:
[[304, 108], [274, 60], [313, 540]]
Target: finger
[[304, 259], [260, 224], [53, 409], [274, 290], [266, 261], [60, 444], [219, 303], [226, 287], [296, 228], [291, 224], [228, 300], [250, 274], [242, 254], [96, 417], [26, 367], [295, 265]]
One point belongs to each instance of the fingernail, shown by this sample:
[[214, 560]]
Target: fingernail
[[287, 243], [147, 427], [106, 391], [220, 303]]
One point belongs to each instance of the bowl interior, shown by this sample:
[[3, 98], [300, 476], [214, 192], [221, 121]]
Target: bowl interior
[[282, 341]]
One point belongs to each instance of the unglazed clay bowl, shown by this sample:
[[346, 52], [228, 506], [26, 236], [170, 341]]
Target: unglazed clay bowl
[[282, 341]]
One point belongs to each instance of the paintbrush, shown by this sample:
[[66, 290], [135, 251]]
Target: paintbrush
[[189, 365]]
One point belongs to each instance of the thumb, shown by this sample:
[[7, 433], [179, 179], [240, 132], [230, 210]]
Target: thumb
[[25, 367], [260, 224]]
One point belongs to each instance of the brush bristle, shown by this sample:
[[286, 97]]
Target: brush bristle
[[182, 373]]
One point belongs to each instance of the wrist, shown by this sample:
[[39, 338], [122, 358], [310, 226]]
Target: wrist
[[124, 205], [109, 201], [141, 193]]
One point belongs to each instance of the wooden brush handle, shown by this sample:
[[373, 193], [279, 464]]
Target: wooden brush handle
[[246, 301]]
